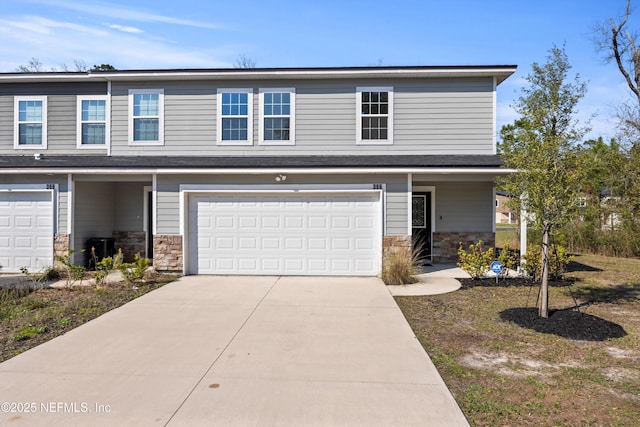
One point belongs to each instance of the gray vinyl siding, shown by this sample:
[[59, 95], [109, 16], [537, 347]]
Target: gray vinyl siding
[[431, 116], [62, 212], [464, 207], [61, 114], [168, 195], [61, 124], [94, 212]]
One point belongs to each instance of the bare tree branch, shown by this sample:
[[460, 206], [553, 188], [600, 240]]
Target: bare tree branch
[[243, 61]]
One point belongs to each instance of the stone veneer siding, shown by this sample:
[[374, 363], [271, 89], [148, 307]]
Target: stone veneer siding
[[445, 244], [131, 243], [167, 253], [389, 242], [60, 245]]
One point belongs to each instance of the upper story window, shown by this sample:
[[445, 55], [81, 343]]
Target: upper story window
[[93, 122], [375, 115], [277, 116], [30, 129], [146, 116], [235, 117]]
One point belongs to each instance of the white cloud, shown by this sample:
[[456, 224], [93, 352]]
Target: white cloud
[[125, 13], [58, 42], [125, 29]]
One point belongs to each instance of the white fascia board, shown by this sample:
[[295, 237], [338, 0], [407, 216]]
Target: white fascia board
[[262, 171], [501, 73]]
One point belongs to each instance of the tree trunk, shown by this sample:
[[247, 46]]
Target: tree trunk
[[543, 296]]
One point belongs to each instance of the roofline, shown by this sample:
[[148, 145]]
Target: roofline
[[261, 171], [501, 72]]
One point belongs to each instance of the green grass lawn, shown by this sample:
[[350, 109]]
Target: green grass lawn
[[504, 373]]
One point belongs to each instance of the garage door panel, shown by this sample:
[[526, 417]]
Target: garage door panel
[[285, 234], [26, 230]]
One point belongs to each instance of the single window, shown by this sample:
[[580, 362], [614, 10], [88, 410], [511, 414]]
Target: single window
[[375, 121], [93, 121], [277, 122], [30, 123], [235, 116], [146, 116]]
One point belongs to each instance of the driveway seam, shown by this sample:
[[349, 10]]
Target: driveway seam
[[222, 352]]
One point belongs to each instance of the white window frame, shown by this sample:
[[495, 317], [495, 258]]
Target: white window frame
[[107, 122], [160, 116], [389, 115], [291, 116], [249, 117], [16, 123]]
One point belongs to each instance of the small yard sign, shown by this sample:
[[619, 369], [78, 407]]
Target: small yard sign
[[496, 267]]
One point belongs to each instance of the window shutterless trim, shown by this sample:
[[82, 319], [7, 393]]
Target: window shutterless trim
[[17, 122], [360, 115], [159, 116], [248, 117], [106, 121], [291, 116]]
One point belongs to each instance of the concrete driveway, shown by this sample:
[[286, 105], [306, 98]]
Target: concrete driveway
[[235, 351]]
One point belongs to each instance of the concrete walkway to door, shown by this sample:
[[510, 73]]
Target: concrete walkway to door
[[235, 351]]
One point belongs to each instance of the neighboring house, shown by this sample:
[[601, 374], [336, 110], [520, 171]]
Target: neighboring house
[[504, 213], [308, 171]]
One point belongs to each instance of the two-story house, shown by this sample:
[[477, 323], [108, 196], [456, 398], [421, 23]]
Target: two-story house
[[304, 171]]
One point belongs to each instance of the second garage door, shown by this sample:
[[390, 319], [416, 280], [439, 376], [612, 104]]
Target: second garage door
[[285, 233], [26, 230]]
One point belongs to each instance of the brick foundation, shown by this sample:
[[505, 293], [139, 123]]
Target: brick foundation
[[167, 253], [131, 243], [445, 245]]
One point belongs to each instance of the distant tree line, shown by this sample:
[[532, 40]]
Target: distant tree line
[[34, 65]]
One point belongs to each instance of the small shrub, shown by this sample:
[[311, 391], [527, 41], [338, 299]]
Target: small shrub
[[133, 272], [103, 267], [73, 272], [400, 265], [509, 258], [559, 258], [476, 261]]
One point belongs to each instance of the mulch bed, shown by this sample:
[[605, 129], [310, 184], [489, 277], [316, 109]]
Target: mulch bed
[[569, 322]]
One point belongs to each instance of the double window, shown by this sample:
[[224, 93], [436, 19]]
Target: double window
[[374, 115], [146, 116], [93, 122], [277, 116], [30, 124], [235, 117]]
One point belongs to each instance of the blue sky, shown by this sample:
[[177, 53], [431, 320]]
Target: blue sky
[[298, 33]]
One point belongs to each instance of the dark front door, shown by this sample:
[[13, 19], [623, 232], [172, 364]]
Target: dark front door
[[150, 225], [421, 224]]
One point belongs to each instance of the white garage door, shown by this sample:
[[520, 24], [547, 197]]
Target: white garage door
[[293, 234], [26, 230]]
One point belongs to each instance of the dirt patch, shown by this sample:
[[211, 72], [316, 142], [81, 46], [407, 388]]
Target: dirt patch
[[31, 317], [510, 364]]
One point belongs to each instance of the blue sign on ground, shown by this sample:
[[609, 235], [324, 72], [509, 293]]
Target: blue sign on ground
[[496, 267]]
